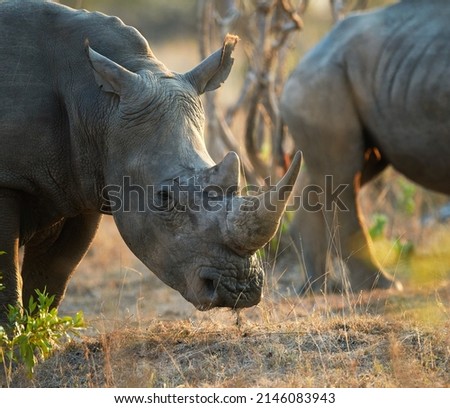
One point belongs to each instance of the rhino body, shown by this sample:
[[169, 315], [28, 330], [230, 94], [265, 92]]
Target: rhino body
[[374, 92], [89, 120]]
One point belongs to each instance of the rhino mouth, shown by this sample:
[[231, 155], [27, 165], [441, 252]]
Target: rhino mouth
[[214, 288]]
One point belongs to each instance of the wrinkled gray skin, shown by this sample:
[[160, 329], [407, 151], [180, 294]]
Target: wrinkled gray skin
[[76, 118], [375, 92]]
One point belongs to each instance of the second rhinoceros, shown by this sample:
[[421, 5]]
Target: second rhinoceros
[[89, 121], [374, 92]]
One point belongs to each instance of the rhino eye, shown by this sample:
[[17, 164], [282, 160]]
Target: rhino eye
[[164, 200]]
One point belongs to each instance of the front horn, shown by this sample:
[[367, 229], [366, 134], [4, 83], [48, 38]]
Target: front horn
[[253, 220]]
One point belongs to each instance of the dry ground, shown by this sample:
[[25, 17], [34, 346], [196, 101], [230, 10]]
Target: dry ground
[[376, 340]]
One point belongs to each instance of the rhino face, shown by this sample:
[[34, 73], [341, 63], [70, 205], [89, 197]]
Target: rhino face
[[179, 212], [182, 238], [199, 236]]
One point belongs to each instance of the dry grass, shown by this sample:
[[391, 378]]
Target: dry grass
[[373, 340], [333, 346]]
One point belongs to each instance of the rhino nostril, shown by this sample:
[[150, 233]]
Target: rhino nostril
[[210, 287], [210, 283]]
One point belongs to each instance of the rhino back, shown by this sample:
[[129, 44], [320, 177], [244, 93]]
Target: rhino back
[[399, 65], [48, 94], [42, 49], [402, 88], [394, 66]]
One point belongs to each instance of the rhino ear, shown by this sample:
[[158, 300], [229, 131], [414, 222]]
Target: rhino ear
[[110, 76], [214, 70]]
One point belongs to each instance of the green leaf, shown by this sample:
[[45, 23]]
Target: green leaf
[[36, 331], [378, 225]]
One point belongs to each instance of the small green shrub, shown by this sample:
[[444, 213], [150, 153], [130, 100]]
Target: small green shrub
[[399, 248], [406, 201], [403, 248], [379, 222], [34, 332]]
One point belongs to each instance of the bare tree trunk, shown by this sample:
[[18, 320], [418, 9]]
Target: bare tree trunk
[[265, 27]]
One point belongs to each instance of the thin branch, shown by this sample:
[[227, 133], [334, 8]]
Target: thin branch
[[266, 28]]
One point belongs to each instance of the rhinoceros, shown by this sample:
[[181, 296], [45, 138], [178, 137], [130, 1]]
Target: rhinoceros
[[374, 92], [90, 120]]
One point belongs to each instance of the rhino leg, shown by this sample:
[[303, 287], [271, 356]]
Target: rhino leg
[[325, 125], [304, 245], [51, 257], [348, 241], [322, 232], [9, 243]]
